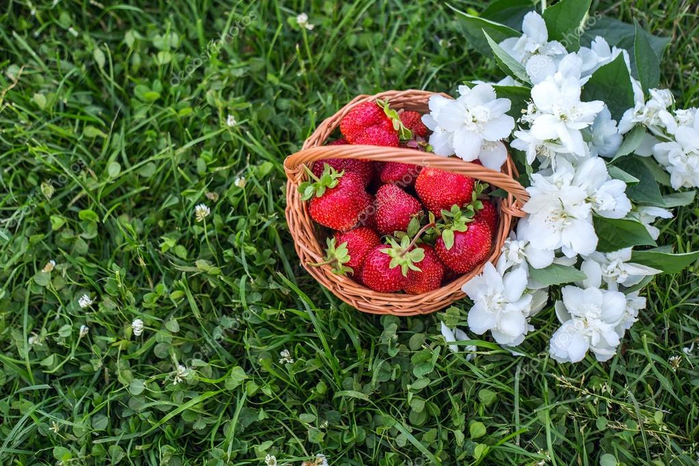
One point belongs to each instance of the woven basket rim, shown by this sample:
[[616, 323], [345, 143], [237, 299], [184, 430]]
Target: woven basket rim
[[303, 229]]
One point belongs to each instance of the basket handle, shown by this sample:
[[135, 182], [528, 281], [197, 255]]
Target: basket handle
[[293, 165]]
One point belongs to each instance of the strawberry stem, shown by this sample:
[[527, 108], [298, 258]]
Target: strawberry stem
[[415, 238]]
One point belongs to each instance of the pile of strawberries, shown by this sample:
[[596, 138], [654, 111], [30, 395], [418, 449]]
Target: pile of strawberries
[[396, 226]]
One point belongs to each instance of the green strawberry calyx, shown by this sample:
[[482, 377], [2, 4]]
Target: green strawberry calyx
[[337, 256], [316, 186], [404, 133], [404, 255], [453, 220], [477, 194]]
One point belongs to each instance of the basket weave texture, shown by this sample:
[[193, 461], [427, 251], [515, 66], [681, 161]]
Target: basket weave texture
[[306, 234]]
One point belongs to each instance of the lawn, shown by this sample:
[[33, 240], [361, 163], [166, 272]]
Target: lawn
[[117, 120]]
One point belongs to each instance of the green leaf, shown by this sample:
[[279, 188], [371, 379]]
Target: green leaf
[[42, 278], [631, 142], [556, 274], [113, 169], [477, 430], [659, 173], [664, 260], [619, 174], [98, 54], [235, 378], [647, 61], [646, 191], [679, 199], [615, 234], [507, 62], [40, 100], [607, 460], [612, 85], [172, 325], [508, 12], [620, 34], [62, 454], [476, 27], [564, 19], [136, 387]]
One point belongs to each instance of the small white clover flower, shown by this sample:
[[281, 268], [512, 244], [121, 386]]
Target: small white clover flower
[[201, 211], [137, 327], [85, 301], [285, 357], [34, 339], [240, 181], [231, 122], [675, 362], [55, 427], [180, 374], [84, 330], [271, 460], [302, 21], [50, 265]]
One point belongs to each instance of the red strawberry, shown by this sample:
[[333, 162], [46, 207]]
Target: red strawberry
[[431, 275], [386, 267], [360, 118], [440, 190], [394, 209], [372, 123], [470, 248], [336, 201], [488, 214], [363, 168], [338, 142], [359, 242], [402, 174], [413, 121], [378, 135], [368, 217]]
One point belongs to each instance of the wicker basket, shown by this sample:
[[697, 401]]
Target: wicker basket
[[305, 233]]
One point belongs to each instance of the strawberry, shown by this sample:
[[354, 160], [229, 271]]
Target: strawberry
[[488, 214], [378, 135], [337, 200], [402, 174], [394, 209], [358, 243], [363, 168], [413, 121], [374, 123], [338, 142], [468, 248], [368, 217], [386, 267], [430, 278], [440, 190]]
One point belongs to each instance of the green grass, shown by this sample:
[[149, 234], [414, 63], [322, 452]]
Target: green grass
[[102, 162]]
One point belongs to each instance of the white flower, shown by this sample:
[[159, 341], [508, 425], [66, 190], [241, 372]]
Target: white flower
[[681, 157], [230, 121], [476, 116], [500, 305], [535, 148], [613, 269], [321, 460], [180, 374], [634, 303], [561, 115], [560, 216], [50, 265], [517, 252], [302, 21], [589, 318], [686, 117], [441, 140], [539, 56], [85, 301], [606, 195], [285, 357], [84, 330], [34, 339], [137, 327], [604, 54], [240, 181], [270, 460], [653, 114], [605, 139], [648, 215], [201, 211]]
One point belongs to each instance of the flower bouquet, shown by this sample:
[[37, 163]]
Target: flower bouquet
[[580, 122]]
